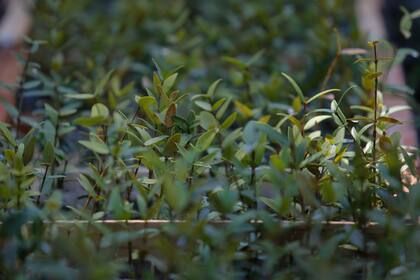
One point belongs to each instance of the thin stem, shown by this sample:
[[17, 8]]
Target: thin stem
[[190, 177], [42, 184], [150, 176], [129, 190], [95, 188], [61, 180], [252, 181], [331, 67], [375, 116]]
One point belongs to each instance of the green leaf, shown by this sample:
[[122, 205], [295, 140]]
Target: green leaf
[[231, 138], [176, 193], [48, 153], [223, 109], [87, 121], [224, 199], [205, 140], [29, 150], [295, 86], [271, 203], [406, 23], [229, 121], [327, 192], [171, 145], [203, 105], [80, 96], [96, 145], [148, 104], [390, 120], [7, 135], [51, 113], [87, 186], [207, 120], [212, 88], [322, 93], [400, 108], [218, 104], [102, 83], [243, 109], [31, 84], [155, 140], [115, 205], [169, 82], [277, 162], [255, 57], [99, 110], [315, 120], [235, 62], [253, 130], [297, 104]]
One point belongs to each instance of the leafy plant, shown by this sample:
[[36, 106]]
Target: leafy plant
[[177, 173]]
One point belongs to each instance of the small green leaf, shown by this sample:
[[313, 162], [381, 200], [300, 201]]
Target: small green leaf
[[87, 121], [205, 140], [203, 105], [406, 23], [80, 96], [229, 121], [48, 154], [169, 82], [277, 162], [297, 104], [85, 183], [29, 150], [218, 104], [295, 87], [322, 93], [176, 194], [212, 88], [7, 135], [102, 83], [315, 120], [99, 110], [155, 140], [171, 145], [243, 109], [96, 145], [390, 120], [207, 120], [223, 109], [31, 84], [235, 62], [271, 203]]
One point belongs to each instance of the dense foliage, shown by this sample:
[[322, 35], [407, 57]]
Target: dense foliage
[[252, 169]]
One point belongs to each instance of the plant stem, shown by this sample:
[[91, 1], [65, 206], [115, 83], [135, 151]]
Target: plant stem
[[61, 180], [375, 115], [95, 188], [331, 67], [252, 181], [190, 176], [42, 184], [129, 190]]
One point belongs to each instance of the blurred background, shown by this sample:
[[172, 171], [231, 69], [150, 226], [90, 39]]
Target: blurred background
[[245, 43]]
